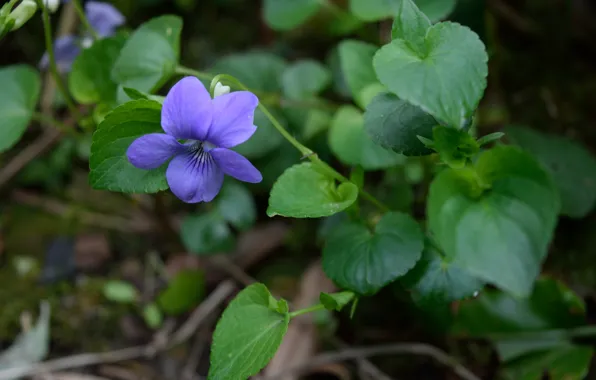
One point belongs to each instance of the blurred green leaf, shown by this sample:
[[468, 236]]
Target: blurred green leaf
[[18, 97], [90, 79], [150, 56], [152, 316], [206, 234], [260, 72], [184, 291], [120, 291], [373, 10], [266, 139], [353, 146], [289, 14], [236, 205], [356, 64], [572, 166], [305, 78]]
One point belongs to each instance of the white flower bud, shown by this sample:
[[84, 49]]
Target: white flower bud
[[52, 5], [220, 90], [22, 13]]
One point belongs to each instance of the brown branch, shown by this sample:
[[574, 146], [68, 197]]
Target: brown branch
[[391, 349]]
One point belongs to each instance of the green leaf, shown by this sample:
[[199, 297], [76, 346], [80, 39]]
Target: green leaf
[[447, 80], [247, 335], [90, 79], [303, 192], [516, 204], [565, 363], [236, 205], [411, 25], [353, 146], [206, 234], [110, 168], [184, 291], [434, 280], [530, 334], [257, 71], [336, 301], [572, 166], [304, 79], [356, 64], [120, 291], [491, 137], [289, 14], [150, 56], [365, 262], [395, 124], [374, 10], [18, 97], [266, 139], [152, 316]]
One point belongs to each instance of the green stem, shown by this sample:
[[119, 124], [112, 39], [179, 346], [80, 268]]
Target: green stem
[[316, 307], [305, 151], [38, 116], [181, 70], [84, 20], [47, 28]]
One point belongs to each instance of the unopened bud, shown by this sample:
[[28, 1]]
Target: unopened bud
[[22, 13], [52, 5], [220, 89]]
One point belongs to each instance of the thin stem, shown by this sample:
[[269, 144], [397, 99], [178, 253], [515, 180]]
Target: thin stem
[[84, 20], [38, 116], [305, 151], [181, 70], [311, 309], [47, 28]]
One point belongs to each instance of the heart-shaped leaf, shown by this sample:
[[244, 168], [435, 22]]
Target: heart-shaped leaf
[[248, 334], [434, 280], [364, 262], [18, 97], [496, 220], [304, 79], [304, 192], [396, 124], [445, 76], [150, 56], [110, 168], [353, 146]]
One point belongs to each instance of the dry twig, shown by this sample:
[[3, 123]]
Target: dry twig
[[391, 349]]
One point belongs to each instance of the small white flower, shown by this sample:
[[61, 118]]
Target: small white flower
[[220, 90], [52, 5], [22, 13]]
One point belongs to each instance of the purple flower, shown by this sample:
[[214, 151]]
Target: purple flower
[[209, 127], [104, 18]]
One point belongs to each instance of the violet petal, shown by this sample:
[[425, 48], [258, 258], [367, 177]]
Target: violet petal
[[66, 50], [153, 150], [187, 110], [194, 178], [233, 119], [103, 17], [235, 165]]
